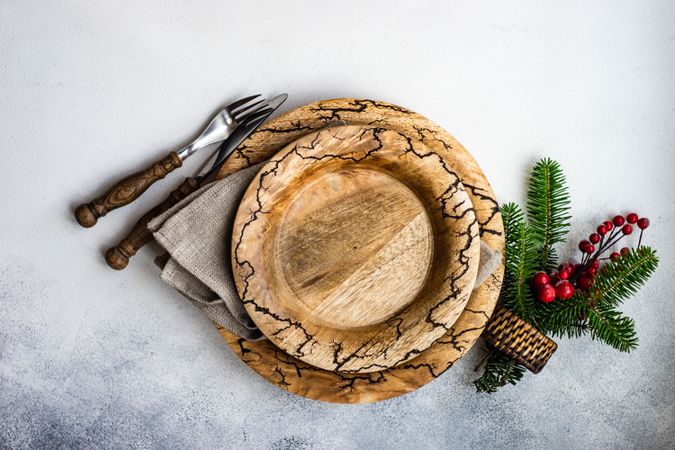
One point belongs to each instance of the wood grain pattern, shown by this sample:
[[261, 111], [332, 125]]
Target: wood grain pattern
[[355, 248], [297, 377], [118, 257], [345, 235], [126, 190]]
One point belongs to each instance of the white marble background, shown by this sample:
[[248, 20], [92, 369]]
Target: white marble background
[[91, 90]]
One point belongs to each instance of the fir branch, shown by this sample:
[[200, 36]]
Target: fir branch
[[612, 328], [499, 371], [564, 318], [512, 216], [619, 280], [548, 208], [520, 263], [614, 284]]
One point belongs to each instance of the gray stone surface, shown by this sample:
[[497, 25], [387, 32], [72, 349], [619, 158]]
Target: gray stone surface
[[91, 358]]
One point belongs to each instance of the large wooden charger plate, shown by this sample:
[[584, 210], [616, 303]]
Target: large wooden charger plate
[[297, 377], [355, 248]]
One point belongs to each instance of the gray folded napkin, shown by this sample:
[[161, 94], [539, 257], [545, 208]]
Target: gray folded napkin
[[196, 234]]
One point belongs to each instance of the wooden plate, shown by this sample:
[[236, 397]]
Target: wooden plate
[[355, 248], [297, 377]]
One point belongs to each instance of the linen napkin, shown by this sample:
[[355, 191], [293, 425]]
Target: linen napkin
[[196, 233]]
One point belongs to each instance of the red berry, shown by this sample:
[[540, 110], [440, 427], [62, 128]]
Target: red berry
[[632, 218], [585, 282], [539, 279], [546, 293], [564, 290], [591, 271], [572, 270], [594, 238], [564, 274], [583, 244], [577, 267], [627, 229], [614, 256], [602, 230], [618, 220], [595, 264], [643, 223], [590, 248], [625, 251], [608, 224], [555, 277]]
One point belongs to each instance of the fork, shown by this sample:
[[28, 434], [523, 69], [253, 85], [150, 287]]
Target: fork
[[130, 188]]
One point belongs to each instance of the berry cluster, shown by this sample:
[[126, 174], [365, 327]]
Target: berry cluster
[[570, 276]]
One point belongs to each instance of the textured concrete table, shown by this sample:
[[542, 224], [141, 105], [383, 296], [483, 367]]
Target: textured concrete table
[[93, 358]]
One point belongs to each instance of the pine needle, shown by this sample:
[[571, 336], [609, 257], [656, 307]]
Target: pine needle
[[499, 371], [548, 206], [612, 328], [521, 257], [621, 279], [564, 318]]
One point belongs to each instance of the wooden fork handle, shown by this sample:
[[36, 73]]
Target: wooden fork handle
[[126, 190], [118, 257]]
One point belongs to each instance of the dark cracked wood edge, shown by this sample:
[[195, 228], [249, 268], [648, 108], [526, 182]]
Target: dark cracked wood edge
[[403, 336], [294, 376]]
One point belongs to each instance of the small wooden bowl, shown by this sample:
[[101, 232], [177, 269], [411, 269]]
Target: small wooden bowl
[[355, 248]]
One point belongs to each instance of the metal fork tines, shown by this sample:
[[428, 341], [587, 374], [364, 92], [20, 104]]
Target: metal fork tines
[[222, 125]]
